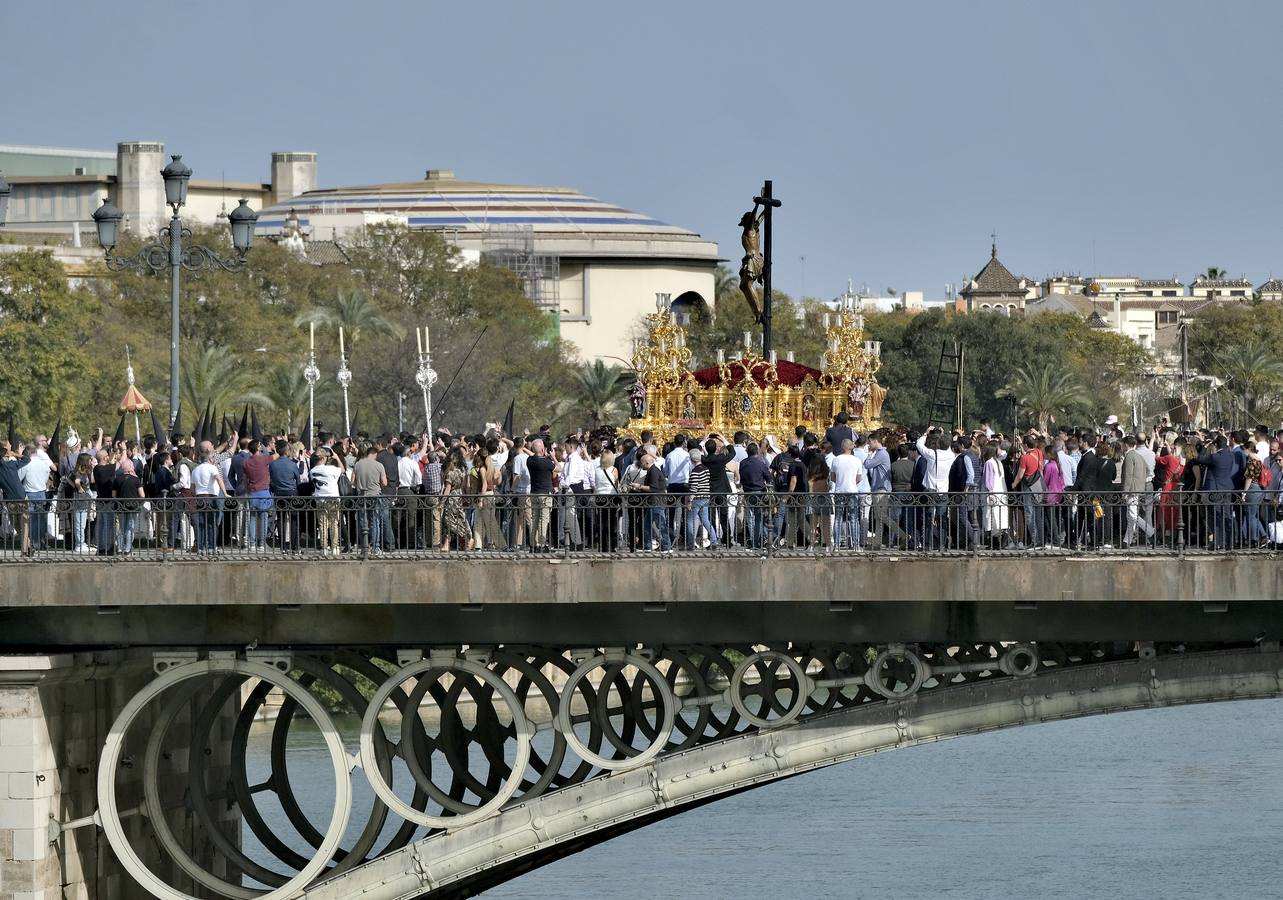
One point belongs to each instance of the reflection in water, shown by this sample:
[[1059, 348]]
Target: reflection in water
[[1184, 802]]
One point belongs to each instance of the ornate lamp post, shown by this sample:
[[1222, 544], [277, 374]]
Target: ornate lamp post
[[170, 252], [344, 378], [311, 374], [426, 376]]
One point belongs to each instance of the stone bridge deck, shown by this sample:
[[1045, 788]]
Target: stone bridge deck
[[671, 599]]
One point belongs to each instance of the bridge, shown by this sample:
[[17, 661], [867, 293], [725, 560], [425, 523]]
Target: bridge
[[505, 712]]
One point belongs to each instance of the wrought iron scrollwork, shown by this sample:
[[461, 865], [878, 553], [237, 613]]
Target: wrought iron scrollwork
[[154, 256], [452, 736]]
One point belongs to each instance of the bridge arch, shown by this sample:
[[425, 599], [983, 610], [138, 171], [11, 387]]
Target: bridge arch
[[461, 862]]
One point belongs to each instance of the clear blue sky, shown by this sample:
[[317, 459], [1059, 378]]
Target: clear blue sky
[[1116, 137]]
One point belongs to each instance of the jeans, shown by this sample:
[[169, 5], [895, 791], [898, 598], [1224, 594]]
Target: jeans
[[80, 519], [105, 537], [1032, 504], [259, 503], [1253, 530], [38, 509], [125, 533], [656, 517], [374, 522], [698, 516], [383, 510], [756, 515], [847, 520], [206, 524]]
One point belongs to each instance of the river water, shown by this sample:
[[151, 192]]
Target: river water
[[1170, 803]]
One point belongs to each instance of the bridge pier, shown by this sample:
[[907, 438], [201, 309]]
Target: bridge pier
[[55, 712]]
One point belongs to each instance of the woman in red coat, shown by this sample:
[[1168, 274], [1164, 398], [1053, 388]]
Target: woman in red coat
[[1168, 469]]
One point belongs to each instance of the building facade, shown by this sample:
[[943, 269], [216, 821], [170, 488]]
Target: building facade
[[57, 189], [594, 267]]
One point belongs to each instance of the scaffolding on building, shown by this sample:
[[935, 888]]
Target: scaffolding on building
[[512, 246]]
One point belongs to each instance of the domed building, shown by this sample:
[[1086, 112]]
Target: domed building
[[593, 266]]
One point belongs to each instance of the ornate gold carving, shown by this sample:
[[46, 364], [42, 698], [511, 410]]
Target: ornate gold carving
[[749, 394]]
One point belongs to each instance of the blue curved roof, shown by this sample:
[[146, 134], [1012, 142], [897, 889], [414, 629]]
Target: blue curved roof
[[472, 206]]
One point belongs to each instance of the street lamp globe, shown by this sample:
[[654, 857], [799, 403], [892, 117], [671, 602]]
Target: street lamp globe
[[107, 219], [176, 176], [242, 219], [5, 190]]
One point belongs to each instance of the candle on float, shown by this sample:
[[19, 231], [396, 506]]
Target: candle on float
[[721, 356], [774, 358], [426, 346], [418, 339], [341, 350], [748, 340], [311, 335], [827, 320], [789, 357]]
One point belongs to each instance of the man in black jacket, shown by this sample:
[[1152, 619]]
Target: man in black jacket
[[716, 457], [11, 492]]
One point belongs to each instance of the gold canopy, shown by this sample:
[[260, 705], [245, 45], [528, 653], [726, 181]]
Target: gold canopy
[[752, 394]]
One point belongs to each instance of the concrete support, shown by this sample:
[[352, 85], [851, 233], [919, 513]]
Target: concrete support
[[55, 713]]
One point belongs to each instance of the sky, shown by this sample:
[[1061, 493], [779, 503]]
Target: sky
[[1093, 137]]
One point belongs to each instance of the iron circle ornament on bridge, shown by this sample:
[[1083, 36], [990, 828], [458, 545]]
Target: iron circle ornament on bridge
[[659, 684], [439, 665], [1020, 660], [885, 662], [773, 659], [110, 815]]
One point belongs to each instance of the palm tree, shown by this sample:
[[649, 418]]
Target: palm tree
[[1214, 274], [1045, 393], [356, 314], [600, 391], [725, 283], [215, 376], [1254, 372], [286, 389]]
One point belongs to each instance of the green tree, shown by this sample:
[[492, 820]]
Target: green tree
[[356, 314], [215, 376], [1213, 273], [1255, 374], [600, 391], [1045, 392], [286, 390], [45, 362]]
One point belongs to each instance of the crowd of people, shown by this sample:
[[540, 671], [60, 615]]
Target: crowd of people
[[1094, 488]]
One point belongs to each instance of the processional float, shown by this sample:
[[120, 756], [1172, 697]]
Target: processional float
[[750, 393]]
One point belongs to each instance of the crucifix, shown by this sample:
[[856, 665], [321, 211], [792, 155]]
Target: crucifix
[[755, 267]]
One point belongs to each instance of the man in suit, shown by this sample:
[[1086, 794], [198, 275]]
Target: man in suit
[[1085, 486], [1136, 482], [1218, 482]]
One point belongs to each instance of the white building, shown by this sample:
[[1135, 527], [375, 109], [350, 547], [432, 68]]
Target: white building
[[593, 266]]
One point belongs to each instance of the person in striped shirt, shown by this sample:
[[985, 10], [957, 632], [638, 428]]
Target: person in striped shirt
[[700, 481]]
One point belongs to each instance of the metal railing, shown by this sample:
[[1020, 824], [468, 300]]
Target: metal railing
[[754, 524]]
